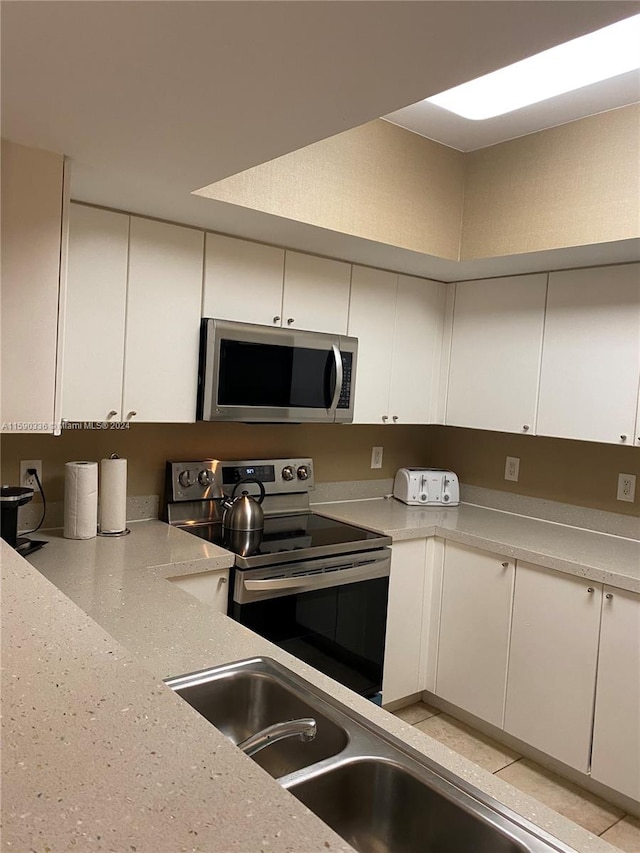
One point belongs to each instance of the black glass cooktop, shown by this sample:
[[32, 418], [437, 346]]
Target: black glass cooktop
[[286, 538]]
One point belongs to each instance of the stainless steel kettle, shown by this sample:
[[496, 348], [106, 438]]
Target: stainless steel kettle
[[244, 512]]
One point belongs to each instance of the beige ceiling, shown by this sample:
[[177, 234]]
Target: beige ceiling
[[152, 100]]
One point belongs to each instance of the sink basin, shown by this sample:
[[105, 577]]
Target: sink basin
[[377, 792], [378, 807], [241, 702]]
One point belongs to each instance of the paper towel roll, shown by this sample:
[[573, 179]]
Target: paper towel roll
[[113, 495], [80, 500]]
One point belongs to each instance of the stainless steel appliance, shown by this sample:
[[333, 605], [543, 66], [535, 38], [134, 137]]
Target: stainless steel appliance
[[426, 487], [259, 373], [11, 499], [313, 586]]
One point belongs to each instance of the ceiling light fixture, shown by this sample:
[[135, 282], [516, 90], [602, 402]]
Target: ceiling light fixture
[[605, 53]]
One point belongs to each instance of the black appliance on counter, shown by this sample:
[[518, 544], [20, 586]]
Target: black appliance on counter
[[11, 499], [316, 587]]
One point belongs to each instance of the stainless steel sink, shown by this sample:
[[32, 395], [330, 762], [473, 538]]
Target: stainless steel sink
[[378, 793], [378, 807], [243, 701]]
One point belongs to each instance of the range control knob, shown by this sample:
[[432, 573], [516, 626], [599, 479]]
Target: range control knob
[[303, 472], [205, 477], [288, 473], [186, 478]]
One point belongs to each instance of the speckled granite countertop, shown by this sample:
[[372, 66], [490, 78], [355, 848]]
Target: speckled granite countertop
[[100, 755], [600, 557]]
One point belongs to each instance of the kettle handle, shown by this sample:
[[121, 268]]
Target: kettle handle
[[250, 480]]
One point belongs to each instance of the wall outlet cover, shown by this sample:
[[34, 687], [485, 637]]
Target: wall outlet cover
[[376, 457], [626, 487], [512, 468], [28, 480]]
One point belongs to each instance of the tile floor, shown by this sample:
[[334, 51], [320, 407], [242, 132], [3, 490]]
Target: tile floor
[[580, 806]]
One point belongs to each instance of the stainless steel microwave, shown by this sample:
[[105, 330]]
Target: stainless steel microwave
[[258, 374]]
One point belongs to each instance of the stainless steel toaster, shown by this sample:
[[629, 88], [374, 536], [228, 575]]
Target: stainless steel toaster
[[426, 487]]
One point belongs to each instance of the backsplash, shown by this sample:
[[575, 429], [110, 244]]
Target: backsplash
[[571, 472]]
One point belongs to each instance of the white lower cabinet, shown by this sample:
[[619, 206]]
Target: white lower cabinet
[[212, 588], [404, 620], [552, 663], [475, 617], [616, 735]]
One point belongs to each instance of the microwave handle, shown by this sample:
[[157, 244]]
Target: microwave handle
[[339, 376]]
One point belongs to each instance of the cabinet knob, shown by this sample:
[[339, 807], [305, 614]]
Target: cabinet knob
[[609, 596], [223, 580], [505, 565], [112, 414], [525, 427], [276, 319], [290, 320], [395, 418], [623, 437], [385, 418], [131, 414], [590, 589]]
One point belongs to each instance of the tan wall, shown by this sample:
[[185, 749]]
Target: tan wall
[[574, 472], [572, 185], [377, 181], [339, 452]]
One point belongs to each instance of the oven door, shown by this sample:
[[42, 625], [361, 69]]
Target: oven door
[[330, 613]]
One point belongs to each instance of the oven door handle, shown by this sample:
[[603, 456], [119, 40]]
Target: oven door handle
[[366, 571]]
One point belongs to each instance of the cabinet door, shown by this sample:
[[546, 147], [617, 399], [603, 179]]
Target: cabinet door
[[474, 631], [496, 349], [242, 281], [93, 346], [552, 663], [637, 434], [163, 322], [316, 293], [616, 736], [371, 320], [417, 346], [32, 202], [401, 674], [212, 588], [591, 354]]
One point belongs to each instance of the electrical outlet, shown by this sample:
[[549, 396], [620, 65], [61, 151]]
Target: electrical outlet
[[29, 480], [626, 487], [512, 468], [376, 457]]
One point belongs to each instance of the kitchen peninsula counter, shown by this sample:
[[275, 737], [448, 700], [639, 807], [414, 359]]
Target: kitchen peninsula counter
[[100, 755]]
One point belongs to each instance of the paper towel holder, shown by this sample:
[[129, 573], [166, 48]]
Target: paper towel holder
[[118, 533]]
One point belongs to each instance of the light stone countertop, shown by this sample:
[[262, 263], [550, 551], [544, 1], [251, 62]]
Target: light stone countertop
[[100, 755], [597, 556]]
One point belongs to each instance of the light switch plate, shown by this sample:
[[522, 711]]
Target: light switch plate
[[512, 468]]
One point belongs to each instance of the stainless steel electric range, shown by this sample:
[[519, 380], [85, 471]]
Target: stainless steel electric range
[[313, 586]]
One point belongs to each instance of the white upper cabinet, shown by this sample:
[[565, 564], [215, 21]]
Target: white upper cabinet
[[316, 293], [242, 281], [32, 219], [163, 322], [417, 348], [616, 736], [398, 321], [93, 344], [475, 621], [252, 283], [591, 355], [371, 321], [552, 663], [495, 353]]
